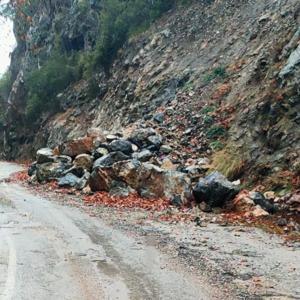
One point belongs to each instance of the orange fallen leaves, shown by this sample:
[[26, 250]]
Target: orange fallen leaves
[[131, 201], [18, 177]]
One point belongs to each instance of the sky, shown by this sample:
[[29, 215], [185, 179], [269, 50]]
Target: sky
[[7, 43]]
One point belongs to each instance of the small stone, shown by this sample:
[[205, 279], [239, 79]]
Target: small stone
[[143, 156], [205, 207], [111, 137], [122, 146], [159, 118], [259, 212], [282, 222], [166, 149], [99, 152]]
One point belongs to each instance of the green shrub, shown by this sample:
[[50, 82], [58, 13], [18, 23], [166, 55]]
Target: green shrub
[[118, 20], [5, 85], [215, 131], [216, 145], [219, 72], [44, 84], [207, 109]]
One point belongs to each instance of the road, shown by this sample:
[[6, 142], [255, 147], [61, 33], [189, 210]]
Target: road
[[49, 251]]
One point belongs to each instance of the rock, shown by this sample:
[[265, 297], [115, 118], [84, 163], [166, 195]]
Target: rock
[[205, 207], [177, 183], [203, 161], [110, 159], [50, 171], [159, 118], [259, 212], [193, 171], [96, 134], [242, 202], [148, 180], [87, 190], [84, 161], [111, 137], [45, 155], [168, 165], [78, 146], [140, 137], [135, 148], [99, 152], [64, 159], [77, 171], [69, 180], [270, 195], [83, 181], [143, 156], [166, 149], [293, 61], [32, 169], [177, 201], [101, 179], [282, 222], [259, 199], [155, 140], [122, 146], [215, 190], [120, 189]]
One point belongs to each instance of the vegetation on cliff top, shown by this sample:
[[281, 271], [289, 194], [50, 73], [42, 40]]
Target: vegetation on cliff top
[[119, 19]]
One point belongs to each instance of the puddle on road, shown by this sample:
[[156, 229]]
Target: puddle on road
[[107, 269]]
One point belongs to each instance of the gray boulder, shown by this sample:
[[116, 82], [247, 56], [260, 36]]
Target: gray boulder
[[84, 161], [292, 63], [50, 171], [45, 155], [99, 152], [110, 159], [215, 190], [122, 146], [69, 180], [143, 156]]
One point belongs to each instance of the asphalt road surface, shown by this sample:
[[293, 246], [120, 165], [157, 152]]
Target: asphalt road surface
[[49, 251]]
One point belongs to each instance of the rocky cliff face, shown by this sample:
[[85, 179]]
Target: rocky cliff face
[[217, 79]]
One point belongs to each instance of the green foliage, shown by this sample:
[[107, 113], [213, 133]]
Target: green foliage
[[219, 72], [208, 120], [207, 109], [216, 145], [118, 20], [5, 86], [44, 84], [215, 131]]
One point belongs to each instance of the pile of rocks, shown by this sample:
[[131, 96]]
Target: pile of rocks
[[140, 163]]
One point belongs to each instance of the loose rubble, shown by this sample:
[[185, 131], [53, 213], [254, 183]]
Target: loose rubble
[[142, 166]]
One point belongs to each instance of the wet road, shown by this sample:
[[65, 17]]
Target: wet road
[[48, 251]]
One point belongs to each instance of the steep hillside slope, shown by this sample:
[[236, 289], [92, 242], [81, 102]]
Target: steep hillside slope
[[217, 79]]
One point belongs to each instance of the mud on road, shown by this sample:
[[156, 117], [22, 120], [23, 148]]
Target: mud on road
[[62, 249]]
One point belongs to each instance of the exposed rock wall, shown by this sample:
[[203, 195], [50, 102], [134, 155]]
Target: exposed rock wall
[[224, 74]]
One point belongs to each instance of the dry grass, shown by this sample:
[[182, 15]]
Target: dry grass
[[229, 162]]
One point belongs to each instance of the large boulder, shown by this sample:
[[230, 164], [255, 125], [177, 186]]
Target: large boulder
[[146, 137], [101, 179], [148, 180], [50, 171], [122, 146], [69, 180], [109, 159], [215, 190], [143, 156], [45, 155], [84, 161], [78, 146], [99, 152]]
